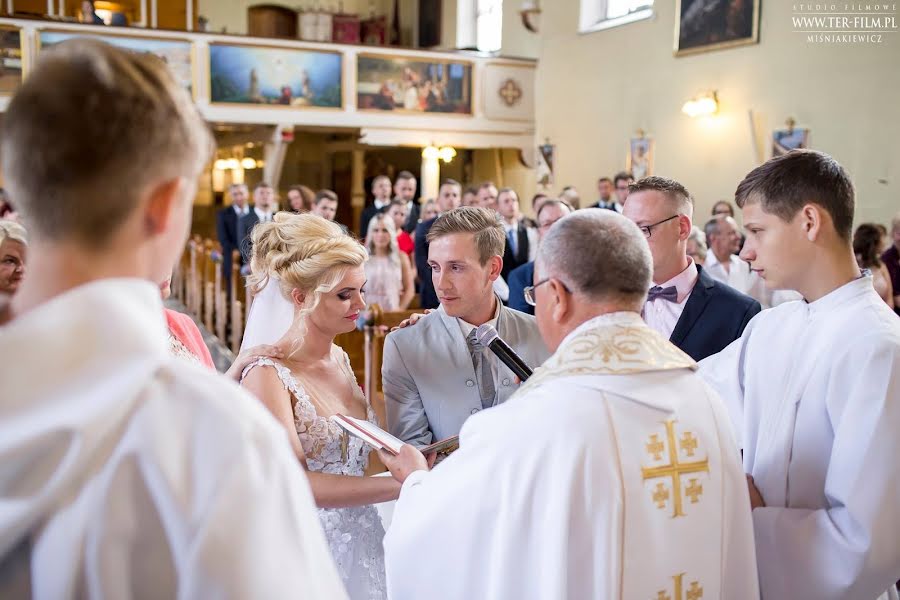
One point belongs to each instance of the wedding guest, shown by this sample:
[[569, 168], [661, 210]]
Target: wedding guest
[[300, 199], [866, 243], [891, 260], [723, 208], [13, 243], [397, 212], [696, 245], [430, 210], [389, 274]]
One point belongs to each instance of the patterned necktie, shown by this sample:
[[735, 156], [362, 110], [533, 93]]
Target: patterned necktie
[[670, 293], [483, 373]]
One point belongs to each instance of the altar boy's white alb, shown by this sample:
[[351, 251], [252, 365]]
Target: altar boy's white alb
[[814, 391], [611, 473]]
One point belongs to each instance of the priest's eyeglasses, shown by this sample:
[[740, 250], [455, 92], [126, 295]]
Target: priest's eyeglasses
[[529, 291], [648, 229]]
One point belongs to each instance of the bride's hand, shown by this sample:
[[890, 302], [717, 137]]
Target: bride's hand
[[413, 319], [248, 356], [407, 461]]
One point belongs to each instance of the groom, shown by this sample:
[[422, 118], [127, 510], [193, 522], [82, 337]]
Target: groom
[[435, 375], [613, 473]]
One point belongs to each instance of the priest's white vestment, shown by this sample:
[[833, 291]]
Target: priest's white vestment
[[814, 392], [128, 473], [611, 474]]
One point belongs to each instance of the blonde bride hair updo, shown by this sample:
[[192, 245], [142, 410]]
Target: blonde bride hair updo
[[302, 251]]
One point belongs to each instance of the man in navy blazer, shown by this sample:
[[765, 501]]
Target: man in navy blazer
[[522, 276], [227, 227], [697, 313]]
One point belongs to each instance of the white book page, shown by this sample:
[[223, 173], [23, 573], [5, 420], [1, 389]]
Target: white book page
[[369, 433]]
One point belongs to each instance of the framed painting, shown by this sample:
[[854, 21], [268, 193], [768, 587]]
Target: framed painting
[[10, 59], [792, 138], [705, 25], [268, 75], [413, 86], [640, 157], [174, 52]]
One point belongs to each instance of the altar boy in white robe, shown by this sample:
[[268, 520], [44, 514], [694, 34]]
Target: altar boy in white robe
[[126, 472], [611, 474], [814, 390]]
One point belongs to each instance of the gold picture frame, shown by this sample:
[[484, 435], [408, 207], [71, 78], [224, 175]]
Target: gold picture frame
[[215, 98], [365, 103], [735, 24]]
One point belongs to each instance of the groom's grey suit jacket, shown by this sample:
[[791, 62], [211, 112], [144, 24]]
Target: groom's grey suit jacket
[[428, 378]]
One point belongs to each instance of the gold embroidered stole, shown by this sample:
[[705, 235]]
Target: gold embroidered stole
[[616, 344]]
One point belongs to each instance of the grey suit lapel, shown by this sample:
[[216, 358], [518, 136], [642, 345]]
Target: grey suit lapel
[[458, 347]]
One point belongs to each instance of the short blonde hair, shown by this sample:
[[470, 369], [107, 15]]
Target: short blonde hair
[[302, 251], [10, 230], [89, 131], [483, 223]]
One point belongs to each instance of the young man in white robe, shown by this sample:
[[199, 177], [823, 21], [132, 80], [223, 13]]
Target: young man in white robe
[[124, 471], [612, 473], [814, 390]]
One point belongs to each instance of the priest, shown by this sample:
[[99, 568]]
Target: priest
[[125, 472], [611, 473], [813, 387]]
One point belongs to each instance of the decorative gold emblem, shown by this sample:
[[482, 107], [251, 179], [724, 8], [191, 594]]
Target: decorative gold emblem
[[694, 592], [510, 92], [674, 470]]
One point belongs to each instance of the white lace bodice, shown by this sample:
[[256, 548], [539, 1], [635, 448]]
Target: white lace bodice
[[354, 534]]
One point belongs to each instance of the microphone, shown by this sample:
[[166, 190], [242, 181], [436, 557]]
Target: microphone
[[488, 337]]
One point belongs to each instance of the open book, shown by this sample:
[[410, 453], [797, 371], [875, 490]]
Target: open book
[[382, 440]]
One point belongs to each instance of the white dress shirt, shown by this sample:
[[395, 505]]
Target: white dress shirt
[[660, 314], [264, 217], [740, 277]]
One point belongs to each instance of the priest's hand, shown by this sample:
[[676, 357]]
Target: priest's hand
[[407, 461], [756, 499], [249, 355], [413, 319]]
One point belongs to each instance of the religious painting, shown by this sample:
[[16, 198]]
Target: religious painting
[[792, 138], [413, 86], [704, 25], [640, 157], [10, 60], [273, 76], [175, 53], [545, 164]]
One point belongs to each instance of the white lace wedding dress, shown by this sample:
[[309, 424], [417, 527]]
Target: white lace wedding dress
[[354, 534]]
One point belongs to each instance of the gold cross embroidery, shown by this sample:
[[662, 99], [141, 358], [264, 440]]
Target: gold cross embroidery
[[693, 490], [688, 443], [660, 495], [674, 470], [695, 592], [656, 447]]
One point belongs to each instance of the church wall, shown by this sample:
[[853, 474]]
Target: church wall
[[232, 14], [595, 90]]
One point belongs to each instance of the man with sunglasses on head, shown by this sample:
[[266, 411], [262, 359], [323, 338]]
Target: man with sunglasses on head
[[685, 304]]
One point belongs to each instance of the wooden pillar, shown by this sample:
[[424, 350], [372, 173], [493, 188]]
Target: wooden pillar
[[358, 184]]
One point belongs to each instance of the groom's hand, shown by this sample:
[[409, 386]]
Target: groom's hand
[[406, 462]]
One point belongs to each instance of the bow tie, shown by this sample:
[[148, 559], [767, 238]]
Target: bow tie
[[670, 293]]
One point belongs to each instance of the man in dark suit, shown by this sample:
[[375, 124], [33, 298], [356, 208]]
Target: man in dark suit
[[405, 190], [448, 199], [227, 227], [521, 240], [550, 212], [697, 313], [263, 211], [381, 191]]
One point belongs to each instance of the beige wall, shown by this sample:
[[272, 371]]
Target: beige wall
[[595, 90], [233, 13]]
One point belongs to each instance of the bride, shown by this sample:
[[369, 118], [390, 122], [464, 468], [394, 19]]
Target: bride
[[309, 277]]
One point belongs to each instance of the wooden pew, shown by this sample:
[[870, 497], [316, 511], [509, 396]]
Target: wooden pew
[[379, 326]]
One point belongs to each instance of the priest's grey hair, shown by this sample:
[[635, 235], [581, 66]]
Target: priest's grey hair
[[600, 254]]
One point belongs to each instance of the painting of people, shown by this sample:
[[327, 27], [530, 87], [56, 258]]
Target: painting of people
[[405, 85], [276, 76], [713, 24]]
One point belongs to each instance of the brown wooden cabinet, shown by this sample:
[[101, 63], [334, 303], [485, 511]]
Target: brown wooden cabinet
[[271, 20]]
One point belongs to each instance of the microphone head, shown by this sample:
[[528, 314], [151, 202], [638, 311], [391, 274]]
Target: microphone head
[[486, 334]]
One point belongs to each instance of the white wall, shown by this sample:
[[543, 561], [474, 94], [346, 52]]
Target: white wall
[[595, 90], [233, 13]]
